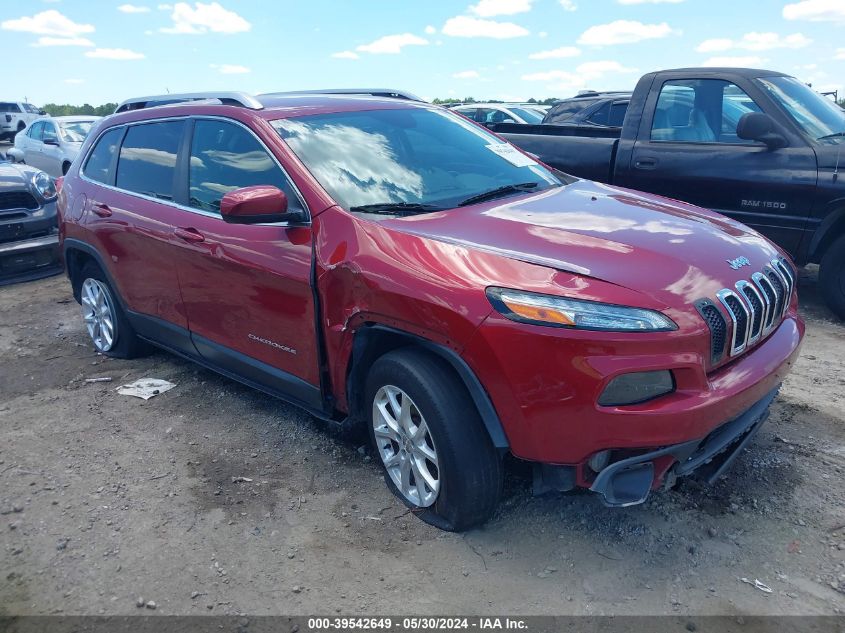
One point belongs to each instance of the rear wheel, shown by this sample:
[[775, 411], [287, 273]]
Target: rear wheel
[[106, 323], [832, 276], [437, 455]]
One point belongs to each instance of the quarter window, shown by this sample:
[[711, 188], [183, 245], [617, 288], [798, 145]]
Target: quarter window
[[147, 161], [225, 157], [98, 165]]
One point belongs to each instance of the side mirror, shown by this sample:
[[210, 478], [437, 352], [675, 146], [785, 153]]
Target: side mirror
[[257, 204], [42, 112], [758, 126], [50, 140]]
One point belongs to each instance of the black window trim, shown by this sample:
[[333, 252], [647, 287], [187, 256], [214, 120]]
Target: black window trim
[[179, 161]]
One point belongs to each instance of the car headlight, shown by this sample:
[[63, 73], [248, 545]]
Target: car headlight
[[553, 311], [44, 185]]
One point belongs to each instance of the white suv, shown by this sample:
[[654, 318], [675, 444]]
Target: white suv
[[15, 116]]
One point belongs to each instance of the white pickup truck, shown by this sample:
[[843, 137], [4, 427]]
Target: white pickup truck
[[15, 116]]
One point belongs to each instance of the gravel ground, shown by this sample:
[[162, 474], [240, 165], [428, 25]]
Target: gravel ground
[[108, 502]]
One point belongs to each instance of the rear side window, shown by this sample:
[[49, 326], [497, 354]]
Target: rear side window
[[99, 162], [225, 157], [563, 111], [147, 161], [617, 114], [9, 107]]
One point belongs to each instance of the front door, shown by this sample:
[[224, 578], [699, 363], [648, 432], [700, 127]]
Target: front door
[[246, 288], [692, 153]]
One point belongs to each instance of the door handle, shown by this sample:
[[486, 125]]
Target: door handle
[[102, 210], [189, 234], [646, 162]]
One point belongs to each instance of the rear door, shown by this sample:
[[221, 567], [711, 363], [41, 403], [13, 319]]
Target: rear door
[[246, 288], [31, 144], [687, 149], [131, 216]]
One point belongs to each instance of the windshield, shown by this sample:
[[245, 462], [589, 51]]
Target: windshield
[[75, 131], [416, 156], [816, 115], [527, 115]]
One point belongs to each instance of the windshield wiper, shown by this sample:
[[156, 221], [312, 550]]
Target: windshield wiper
[[834, 135], [396, 208], [498, 192]]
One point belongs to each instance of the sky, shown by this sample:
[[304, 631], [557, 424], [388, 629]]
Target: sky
[[99, 51]]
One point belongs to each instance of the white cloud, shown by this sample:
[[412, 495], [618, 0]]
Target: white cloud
[[740, 61], [465, 26], [840, 53], [204, 18], [624, 32], [48, 23], [466, 74], [430, 30], [568, 5], [345, 55], [133, 8], [816, 11], [649, 1], [754, 42], [46, 40], [491, 8], [392, 44], [114, 53], [588, 71], [74, 81], [557, 53], [230, 69], [165, 7]]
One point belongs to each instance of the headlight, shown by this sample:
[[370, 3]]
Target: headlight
[[44, 185], [553, 311]]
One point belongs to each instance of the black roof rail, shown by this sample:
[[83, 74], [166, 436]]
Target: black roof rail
[[241, 99], [390, 93]]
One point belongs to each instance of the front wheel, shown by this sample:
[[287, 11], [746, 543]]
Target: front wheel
[[437, 455], [832, 276]]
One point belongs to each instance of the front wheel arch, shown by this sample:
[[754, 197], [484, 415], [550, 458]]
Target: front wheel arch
[[375, 340]]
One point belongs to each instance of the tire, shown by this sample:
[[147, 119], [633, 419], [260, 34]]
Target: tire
[[832, 276], [466, 471], [106, 322]]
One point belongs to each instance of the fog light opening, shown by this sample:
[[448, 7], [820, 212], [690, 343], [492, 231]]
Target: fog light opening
[[637, 387]]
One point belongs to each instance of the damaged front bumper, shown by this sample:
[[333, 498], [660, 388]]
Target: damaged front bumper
[[629, 481]]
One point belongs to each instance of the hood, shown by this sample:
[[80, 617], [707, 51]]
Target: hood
[[668, 250], [14, 177]]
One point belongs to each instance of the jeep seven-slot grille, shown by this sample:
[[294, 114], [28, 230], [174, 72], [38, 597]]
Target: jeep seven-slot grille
[[754, 309], [17, 200]]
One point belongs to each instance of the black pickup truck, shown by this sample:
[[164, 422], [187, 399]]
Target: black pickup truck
[[758, 146]]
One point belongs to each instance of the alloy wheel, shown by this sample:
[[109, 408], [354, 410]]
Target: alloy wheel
[[405, 445], [99, 314]]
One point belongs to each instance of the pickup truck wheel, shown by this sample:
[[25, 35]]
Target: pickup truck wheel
[[832, 276], [107, 325], [437, 455]]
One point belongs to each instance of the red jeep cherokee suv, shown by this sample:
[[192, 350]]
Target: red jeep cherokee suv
[[383, 262]]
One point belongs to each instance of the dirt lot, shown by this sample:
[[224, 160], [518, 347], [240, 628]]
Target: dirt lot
[[106, 498]]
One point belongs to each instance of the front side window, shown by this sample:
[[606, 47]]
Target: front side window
[[147, 161], [98, 165], [30, 108], [700, 111], [416, 156], [817, 116], [49, 133], [35, 130], [225, 157]]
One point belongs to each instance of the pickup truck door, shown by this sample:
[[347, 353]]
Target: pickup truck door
[[687, 149], [246, 288]]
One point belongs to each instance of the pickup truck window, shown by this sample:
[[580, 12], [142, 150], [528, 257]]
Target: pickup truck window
[[816, 116], [9, 107], [700, 111], [406, 156]]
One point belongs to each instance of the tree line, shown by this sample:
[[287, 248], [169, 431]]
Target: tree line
[[65, 109]]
